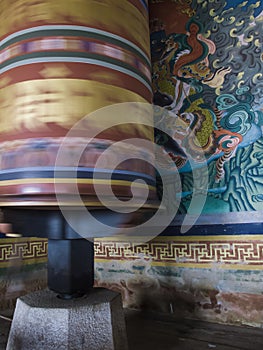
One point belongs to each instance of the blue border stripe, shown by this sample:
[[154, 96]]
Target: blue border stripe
[[225, 229], [82, 173], [145, 4]]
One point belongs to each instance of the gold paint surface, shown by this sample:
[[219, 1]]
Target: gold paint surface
[[32, 105]]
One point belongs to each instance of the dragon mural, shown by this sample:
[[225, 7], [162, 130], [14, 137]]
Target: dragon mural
[[207, 75]]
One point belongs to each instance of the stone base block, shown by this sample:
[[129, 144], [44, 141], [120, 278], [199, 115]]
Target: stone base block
[[43, 321]]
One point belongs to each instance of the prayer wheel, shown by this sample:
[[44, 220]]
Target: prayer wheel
[[60, 61]]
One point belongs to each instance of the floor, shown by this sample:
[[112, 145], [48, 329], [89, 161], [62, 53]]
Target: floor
[[152, 331]]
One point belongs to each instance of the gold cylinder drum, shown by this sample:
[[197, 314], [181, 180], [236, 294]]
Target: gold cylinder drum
[[60, 61]]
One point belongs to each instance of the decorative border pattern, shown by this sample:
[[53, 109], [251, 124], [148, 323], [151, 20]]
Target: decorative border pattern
[[204, 252], [73, 31], [78, 44], [227, 251], [60, 43], [29, 250], [71, 48]]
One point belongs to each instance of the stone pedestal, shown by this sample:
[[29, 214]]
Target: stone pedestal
[[43, 321]]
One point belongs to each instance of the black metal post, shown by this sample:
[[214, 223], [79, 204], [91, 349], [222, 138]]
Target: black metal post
[[70, 266], [70, 257]]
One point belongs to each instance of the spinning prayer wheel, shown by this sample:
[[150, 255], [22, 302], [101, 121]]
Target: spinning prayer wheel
[[60, 61]]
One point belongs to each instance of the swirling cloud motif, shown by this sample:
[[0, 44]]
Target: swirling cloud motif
[[239, 121], [108, 161], [235, 27], [217, 79]]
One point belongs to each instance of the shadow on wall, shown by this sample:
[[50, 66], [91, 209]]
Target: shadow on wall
[[144, 286]]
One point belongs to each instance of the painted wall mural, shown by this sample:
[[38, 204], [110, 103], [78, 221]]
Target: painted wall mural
[[207, 73], [208, 92], [205, 277]]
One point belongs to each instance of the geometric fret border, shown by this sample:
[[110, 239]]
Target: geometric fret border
[[230, 252], [24, 250]]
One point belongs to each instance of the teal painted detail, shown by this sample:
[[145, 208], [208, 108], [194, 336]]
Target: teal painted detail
[[126, 271], [191, 279], [23, 268], [242, 183]]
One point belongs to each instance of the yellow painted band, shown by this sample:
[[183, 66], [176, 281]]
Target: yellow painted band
[[216, 265], [21, 240], [72, 181], [13, 262], [174, 239]]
